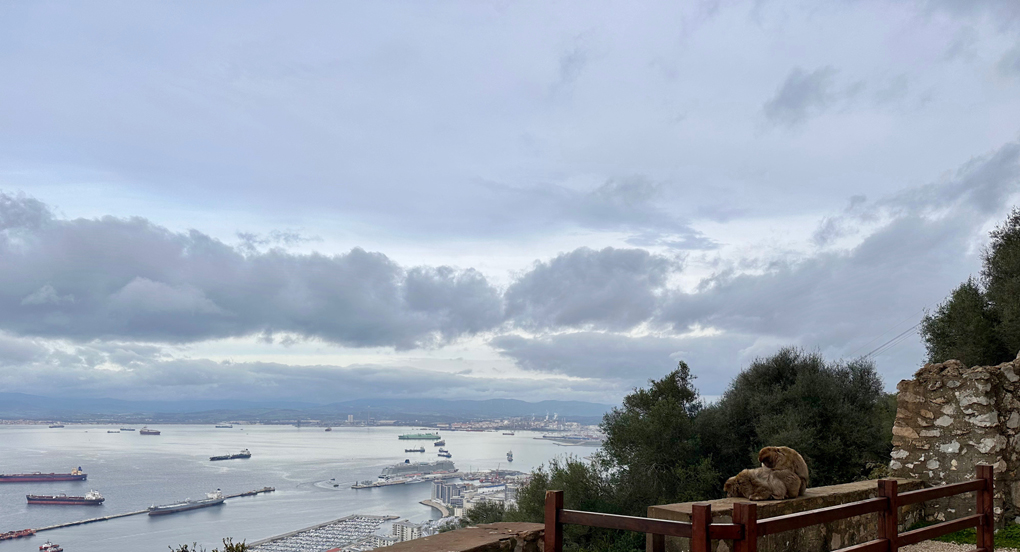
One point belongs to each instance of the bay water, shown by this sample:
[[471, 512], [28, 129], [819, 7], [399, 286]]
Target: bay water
[[134, 471]]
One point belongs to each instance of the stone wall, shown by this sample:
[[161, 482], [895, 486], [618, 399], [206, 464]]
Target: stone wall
[[949, 419], [817, 538], [490, 537]]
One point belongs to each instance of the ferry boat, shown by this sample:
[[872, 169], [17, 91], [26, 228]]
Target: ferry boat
[[245, 453], [211, 499], [419, 449], [440, 443], [147, 431], [92, 498], [75, 475], [423, 436]]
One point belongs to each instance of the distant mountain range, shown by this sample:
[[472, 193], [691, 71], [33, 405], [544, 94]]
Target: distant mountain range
[[31, 407]]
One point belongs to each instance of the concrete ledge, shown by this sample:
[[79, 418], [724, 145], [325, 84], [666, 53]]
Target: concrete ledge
[[491, 537], [817, 538]]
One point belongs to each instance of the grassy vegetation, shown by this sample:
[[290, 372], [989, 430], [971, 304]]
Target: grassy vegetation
[[1007, 537]]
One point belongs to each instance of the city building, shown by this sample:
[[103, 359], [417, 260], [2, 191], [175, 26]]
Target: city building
[[405, 530]]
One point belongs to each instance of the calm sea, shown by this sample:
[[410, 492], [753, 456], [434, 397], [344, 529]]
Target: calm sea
[[134, 471]]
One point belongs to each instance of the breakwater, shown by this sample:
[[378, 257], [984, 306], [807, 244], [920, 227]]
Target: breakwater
[[139, 512]]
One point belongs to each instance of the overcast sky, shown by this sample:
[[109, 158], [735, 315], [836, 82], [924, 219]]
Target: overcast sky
[[533, 200]]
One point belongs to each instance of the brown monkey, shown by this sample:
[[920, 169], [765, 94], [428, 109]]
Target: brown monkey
[[763, 484], [785, 458]]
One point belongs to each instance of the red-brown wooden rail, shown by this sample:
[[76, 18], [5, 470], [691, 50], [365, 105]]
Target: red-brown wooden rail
[[746, 528]]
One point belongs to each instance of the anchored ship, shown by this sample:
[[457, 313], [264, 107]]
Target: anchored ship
[[147, 431], [225, 426], [127, 429], [243, 454], [445, 454], [419, 449], [211, 499], [92, 498], [440, 443], [75, 475], [56, 426], [510, 456], [428, 436]]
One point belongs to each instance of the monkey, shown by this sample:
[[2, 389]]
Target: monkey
[[763, 484], [785, 458]]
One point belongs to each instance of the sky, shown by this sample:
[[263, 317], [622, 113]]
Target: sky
[[535, 200]]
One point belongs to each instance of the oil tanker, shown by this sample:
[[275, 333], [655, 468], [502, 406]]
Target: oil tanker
[[75, 475], [243, 454], [211, 499], [92, 498]]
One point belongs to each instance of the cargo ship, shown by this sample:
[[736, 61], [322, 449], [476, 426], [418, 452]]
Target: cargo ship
[[419, 449], [243, 454], [54, 426], [127, 429], [75, 475], [147, 431], [92, 498], [211, 499], [227, 426]]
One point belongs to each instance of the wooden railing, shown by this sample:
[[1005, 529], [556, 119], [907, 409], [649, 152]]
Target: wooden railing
[[746, 528]]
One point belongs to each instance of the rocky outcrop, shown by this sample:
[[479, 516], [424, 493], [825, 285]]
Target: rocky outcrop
[[951, 418]]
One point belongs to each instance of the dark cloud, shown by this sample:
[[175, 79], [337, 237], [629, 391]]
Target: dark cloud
[[800, 96], [130, 279], [611, 288]]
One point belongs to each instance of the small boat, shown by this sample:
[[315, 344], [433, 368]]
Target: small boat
[[445, 455], [443, 450], [440, 443], [50, 547], [419, 449], [510, 456], [329, 429]]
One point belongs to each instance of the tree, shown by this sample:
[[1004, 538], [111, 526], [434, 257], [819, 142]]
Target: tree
[[964, 327], [484, 512], [652, 444], [1001, 278], [980, 325], [228, 546], [832, 413]]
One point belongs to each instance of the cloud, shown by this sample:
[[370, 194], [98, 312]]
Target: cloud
[[140, 371], [130, 279], [1009, 65], [801, 96], [610, 288]]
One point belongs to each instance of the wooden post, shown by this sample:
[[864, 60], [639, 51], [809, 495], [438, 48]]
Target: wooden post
[[985, 506], [658, 542], [701, 518], [553, 527], [746, 514], [889, 520]]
